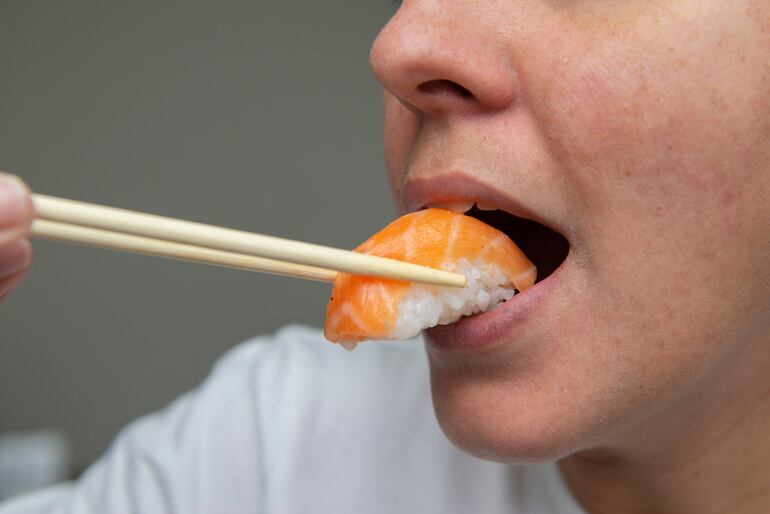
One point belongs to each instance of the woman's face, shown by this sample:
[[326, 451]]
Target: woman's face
[[640, 131]]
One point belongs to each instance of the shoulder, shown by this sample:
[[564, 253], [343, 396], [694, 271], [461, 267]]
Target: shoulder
[[299, 341], [295, 373], [298, 358], [304, 392]]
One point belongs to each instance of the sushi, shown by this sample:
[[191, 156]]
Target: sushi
[[367, 308]]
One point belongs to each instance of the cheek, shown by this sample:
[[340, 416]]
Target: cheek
[[663, 139], [679, 101], [399, 134]]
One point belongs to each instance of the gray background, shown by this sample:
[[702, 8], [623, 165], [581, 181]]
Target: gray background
[[257, 115]]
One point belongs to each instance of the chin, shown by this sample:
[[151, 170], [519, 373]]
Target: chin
[[504, 421]]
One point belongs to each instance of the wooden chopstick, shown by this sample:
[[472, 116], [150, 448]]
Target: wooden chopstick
[[64, 232], [240, 242]]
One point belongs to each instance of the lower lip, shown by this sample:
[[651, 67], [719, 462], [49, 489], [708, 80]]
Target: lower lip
[[492, 328]]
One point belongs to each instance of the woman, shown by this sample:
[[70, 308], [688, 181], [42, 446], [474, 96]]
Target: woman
[[640, 131]]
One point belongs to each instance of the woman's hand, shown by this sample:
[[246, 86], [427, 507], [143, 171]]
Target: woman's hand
[[16, 214]]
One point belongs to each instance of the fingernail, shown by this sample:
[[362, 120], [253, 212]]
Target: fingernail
[[13, 200], [15, 258]]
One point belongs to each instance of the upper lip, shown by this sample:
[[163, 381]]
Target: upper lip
[[461, 187]]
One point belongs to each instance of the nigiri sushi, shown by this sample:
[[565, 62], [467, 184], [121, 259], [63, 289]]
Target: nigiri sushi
[[363, 308]]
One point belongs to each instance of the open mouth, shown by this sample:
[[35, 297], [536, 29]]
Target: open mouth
[[537, 233], [546, 248]]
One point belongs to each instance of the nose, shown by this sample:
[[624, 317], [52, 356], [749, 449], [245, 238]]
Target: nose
[[436, 61]]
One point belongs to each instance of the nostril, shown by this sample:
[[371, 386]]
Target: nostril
[[444, 87]]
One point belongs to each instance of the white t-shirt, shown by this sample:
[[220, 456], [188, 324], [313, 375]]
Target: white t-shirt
[[292, 424]]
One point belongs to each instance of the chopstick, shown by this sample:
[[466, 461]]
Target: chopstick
[[232, 241], [67, 233]]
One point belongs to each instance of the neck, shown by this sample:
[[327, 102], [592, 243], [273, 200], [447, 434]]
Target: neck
[[709, 453]]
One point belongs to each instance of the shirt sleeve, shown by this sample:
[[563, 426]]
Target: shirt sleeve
[[200, 455]]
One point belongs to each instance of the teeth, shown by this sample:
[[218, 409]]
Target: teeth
[[495, 306], [349, 346], [461, 207], [486, 207]]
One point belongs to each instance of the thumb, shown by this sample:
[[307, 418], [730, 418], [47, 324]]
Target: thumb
[[16, 211]]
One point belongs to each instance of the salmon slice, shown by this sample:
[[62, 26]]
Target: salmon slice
[[362, 308]]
